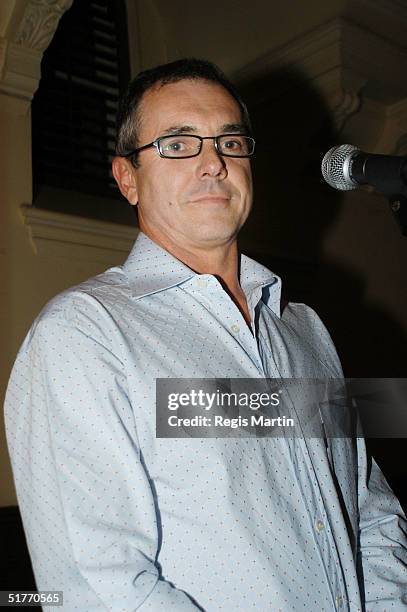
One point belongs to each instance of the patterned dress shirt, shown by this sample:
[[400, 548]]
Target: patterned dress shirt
[[121, 520]]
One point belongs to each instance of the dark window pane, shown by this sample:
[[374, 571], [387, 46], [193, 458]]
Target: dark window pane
[[83, 72]]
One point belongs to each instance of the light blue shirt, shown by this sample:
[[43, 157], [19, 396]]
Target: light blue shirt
[[121, 520]]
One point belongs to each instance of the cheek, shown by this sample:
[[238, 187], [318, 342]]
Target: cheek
[[167, 179], [152, 184], [160, 190], [242, 178]]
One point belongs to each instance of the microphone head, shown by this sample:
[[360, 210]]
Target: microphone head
[[335, 167]]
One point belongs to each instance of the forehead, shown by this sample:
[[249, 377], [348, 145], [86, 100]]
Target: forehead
[[193, 102]]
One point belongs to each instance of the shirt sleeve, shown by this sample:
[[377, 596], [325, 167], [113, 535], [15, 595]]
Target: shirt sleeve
[[88, 508], [382, 538]]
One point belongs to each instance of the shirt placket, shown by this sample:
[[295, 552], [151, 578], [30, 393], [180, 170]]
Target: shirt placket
[[206, 288], [323, 535]]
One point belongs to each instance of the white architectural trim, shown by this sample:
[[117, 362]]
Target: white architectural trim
[[337, 55], [46, 226], [21, 72]]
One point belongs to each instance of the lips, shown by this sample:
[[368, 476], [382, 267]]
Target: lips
[[212, 197]]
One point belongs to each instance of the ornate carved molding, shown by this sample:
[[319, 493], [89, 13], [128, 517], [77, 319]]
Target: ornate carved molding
[[20, 56], [345, 63], [349, 103], [39, 23], [310, 56]]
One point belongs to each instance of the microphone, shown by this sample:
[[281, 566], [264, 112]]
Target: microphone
[[346, 167]]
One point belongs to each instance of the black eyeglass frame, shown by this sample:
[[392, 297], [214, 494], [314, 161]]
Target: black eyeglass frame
[[157, 141]]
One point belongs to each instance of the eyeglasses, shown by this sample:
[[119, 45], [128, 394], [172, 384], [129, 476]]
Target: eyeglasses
[[181, 146]]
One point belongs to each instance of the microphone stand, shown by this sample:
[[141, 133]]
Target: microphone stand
[[398, 206]]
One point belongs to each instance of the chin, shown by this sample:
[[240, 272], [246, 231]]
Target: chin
[[213, 234]]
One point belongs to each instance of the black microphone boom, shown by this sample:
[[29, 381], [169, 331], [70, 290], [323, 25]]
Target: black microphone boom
[[346, 167]]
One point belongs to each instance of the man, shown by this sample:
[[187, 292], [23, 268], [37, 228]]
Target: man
[[122, 520]]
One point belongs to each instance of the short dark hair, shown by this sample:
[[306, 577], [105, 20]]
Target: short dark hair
[[128, 119]]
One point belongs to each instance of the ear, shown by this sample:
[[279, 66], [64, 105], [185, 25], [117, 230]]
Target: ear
[[125, 175]]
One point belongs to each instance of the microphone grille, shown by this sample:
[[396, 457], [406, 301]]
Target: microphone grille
[[335, 167]]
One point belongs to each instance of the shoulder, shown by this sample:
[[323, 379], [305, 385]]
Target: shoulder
[[308, 326], [302, 315], [87, 308]]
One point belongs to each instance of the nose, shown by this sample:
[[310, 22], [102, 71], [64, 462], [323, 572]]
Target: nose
[[210, 163]]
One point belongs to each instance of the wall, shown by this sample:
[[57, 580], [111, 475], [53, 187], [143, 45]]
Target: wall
[[302, 64]]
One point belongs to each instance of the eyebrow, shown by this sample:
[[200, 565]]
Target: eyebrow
[[226, 128], [234, 127], [180, 129]]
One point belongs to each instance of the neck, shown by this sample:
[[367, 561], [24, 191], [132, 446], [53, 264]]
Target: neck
[[220, 260]]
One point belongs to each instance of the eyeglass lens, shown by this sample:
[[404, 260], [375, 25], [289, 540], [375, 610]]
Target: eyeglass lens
[[236, 145]]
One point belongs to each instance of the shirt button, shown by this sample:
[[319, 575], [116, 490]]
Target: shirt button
[[339, 601], [202, 282], [235, 329], [319, 526]]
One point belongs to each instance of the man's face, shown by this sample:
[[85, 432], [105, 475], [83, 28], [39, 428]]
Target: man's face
[[201, 201]]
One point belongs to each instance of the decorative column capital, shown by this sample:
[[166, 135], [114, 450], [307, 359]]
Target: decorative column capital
[[21, 54], [39, 22]]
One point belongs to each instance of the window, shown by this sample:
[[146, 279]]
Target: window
[[83, 72]]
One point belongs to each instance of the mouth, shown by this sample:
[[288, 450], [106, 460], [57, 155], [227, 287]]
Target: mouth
[[216, 199]]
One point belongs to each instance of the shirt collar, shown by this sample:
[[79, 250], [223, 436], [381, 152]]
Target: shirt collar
[[149, 268], [257, 282]]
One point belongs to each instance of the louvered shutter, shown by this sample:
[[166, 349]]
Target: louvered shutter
[[84, 70]]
